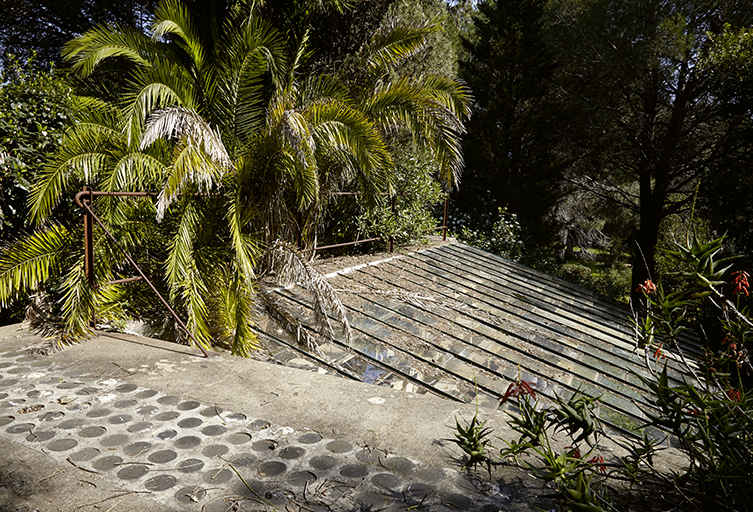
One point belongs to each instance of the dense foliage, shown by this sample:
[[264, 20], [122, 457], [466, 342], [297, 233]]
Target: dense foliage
[[600, 123], [35, 108], [218, 100], [603, 130], [510, 147], [41, 27]]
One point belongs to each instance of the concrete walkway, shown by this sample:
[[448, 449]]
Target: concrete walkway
[[123, 423]]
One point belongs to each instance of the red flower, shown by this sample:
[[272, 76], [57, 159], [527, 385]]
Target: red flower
[[741, 282], [599, 461], [519, 388], [734, 395], [659, 353], [574, 452], [647, 287]]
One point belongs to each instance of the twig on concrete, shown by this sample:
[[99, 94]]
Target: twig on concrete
[[215, 475], [45, 478], [249, 487], [194, 496], [271, 400], [301, 506], [124, 493], [120, 367], [82, 469], [217, 412]]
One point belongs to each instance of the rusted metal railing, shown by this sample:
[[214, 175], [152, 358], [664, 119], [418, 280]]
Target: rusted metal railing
[[85, 199], [390, 240]]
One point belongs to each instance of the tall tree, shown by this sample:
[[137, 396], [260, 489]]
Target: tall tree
[[725, 197], [44, 26], [510, 147], [649, 127]]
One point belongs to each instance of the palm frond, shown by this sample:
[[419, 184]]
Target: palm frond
[[322, 88], [451, 93], [190, 167], [32, 261], [86, 104], [193, 292], [184, 123], [394, 44], [246, 247], [236, 313], [181, 258], [301, 53], [200, 157], [295, 133], [253, 57], [172, 18], [78, 305], [292, 268], [87, 51], [135, 171], [242, 88], [351, 139], [86, 152], [167, 85], [429, 108], [277, 311], [187, 282]]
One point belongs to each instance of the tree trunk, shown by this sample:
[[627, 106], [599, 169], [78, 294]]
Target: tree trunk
[[644, 261], [655, 178]]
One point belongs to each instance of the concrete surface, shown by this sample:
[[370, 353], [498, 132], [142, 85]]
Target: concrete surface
[[123, 423]]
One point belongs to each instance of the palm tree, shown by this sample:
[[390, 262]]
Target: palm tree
[[94, 151], [214, 103]]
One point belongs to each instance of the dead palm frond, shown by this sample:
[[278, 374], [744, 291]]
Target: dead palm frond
[[200, 157], [40, 313], [293, 269], [278, 311], [304, 337]]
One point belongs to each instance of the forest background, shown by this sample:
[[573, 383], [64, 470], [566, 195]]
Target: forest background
[[599, 131]]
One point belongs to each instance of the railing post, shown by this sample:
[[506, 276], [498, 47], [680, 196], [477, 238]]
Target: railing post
[[89, 247], [393, 209], [446, 207], [299, 237]]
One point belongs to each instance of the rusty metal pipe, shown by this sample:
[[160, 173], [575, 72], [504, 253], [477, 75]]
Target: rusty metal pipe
[[344, 244], [143, 276], [446, 208]]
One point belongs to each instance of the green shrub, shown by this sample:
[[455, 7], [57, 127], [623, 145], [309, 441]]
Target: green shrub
[[504, 239]]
